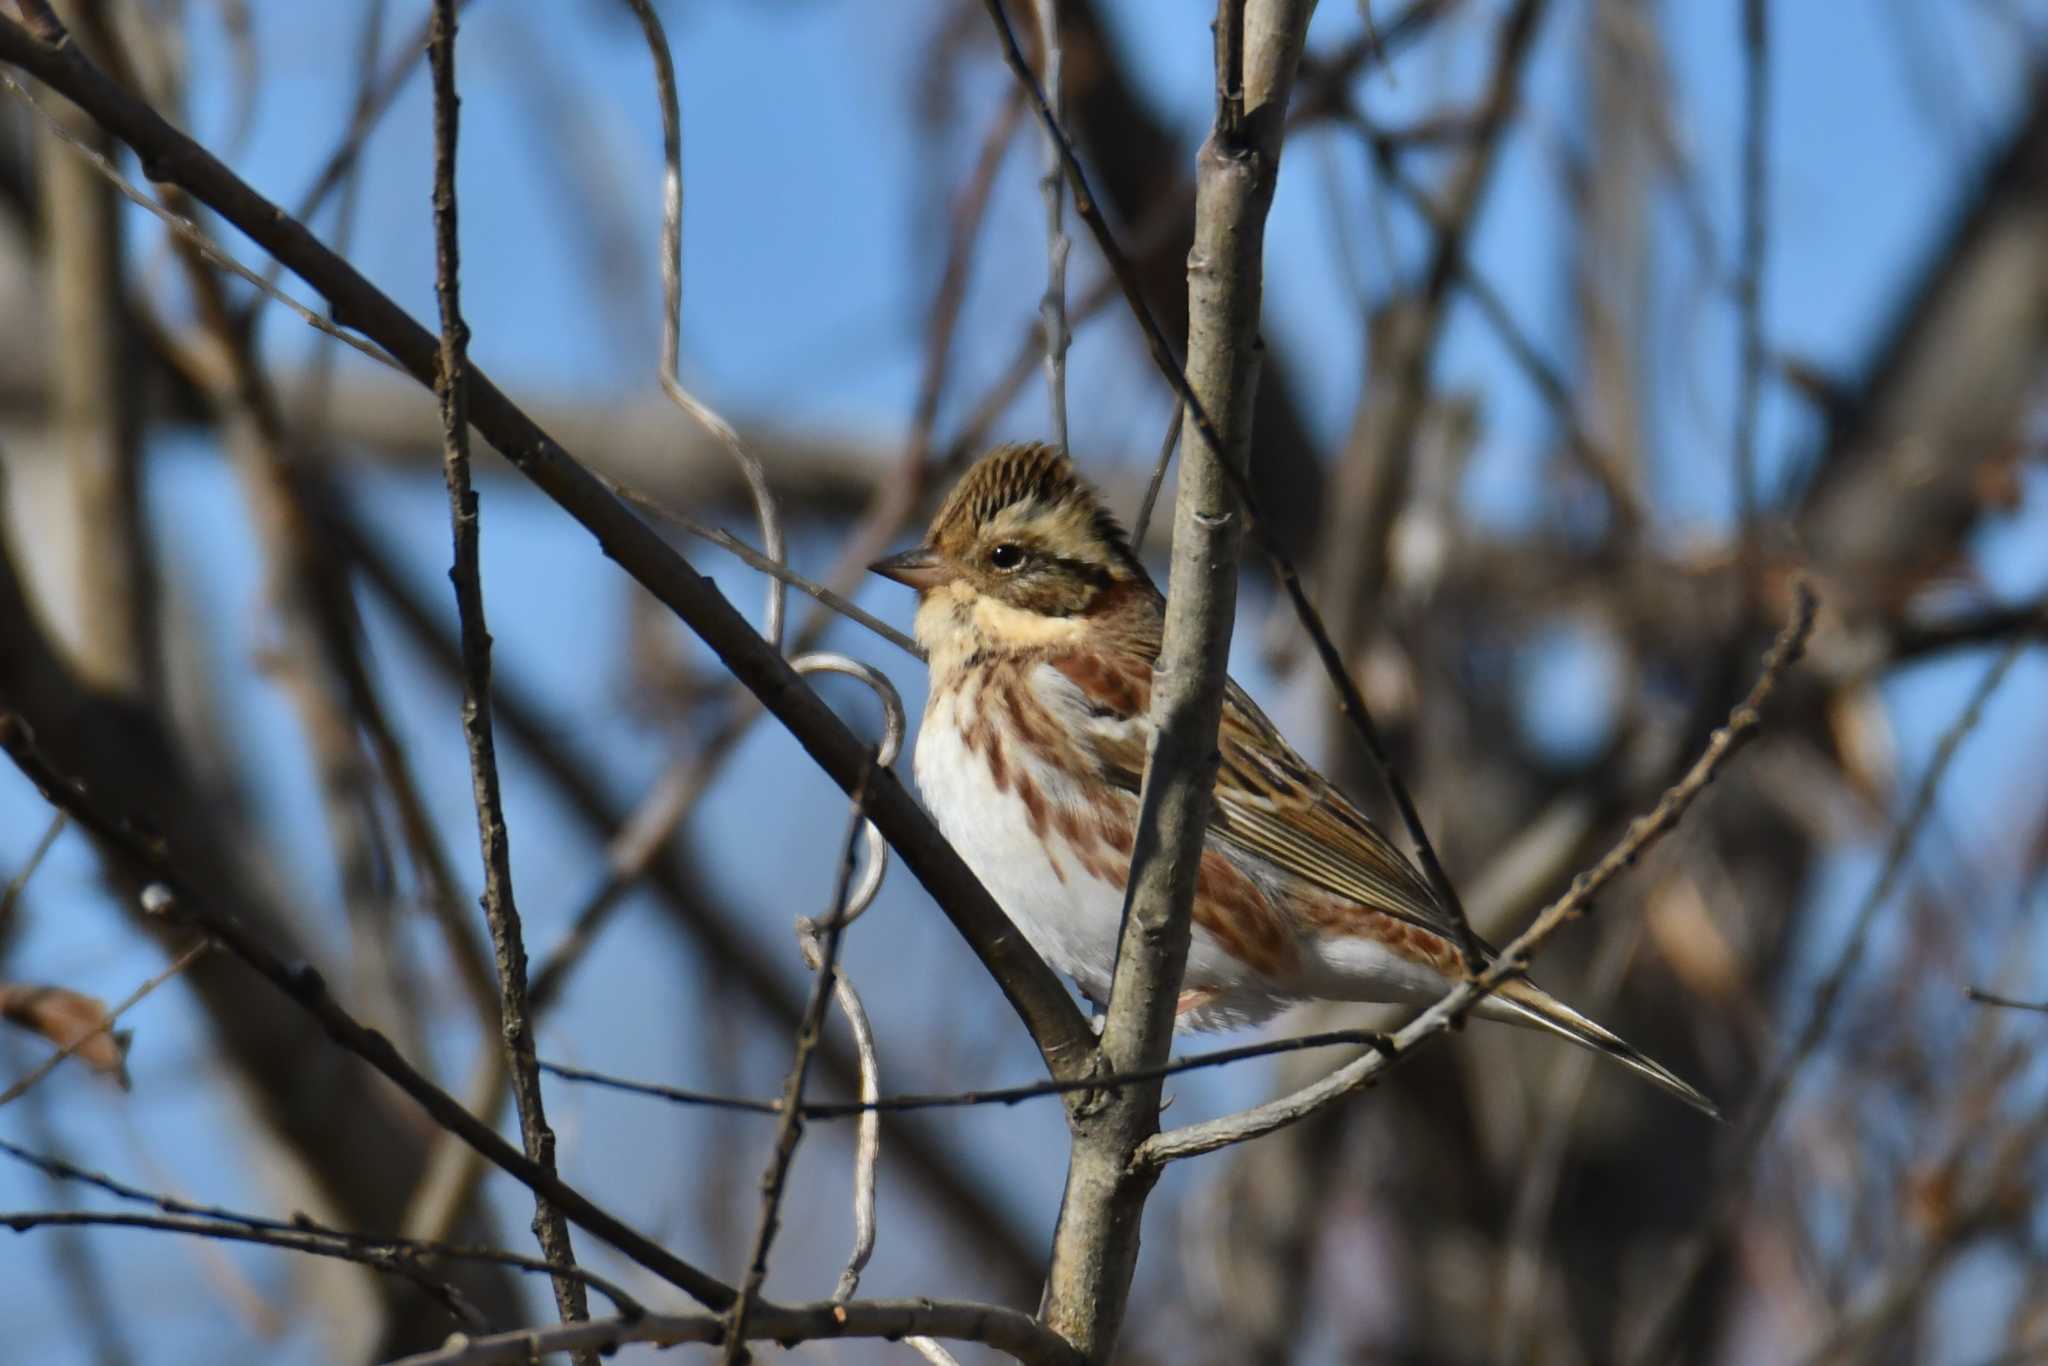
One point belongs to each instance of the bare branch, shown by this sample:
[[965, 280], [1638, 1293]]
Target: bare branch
[[775, 1180], [414, 1250], [1007, 1095], [501, 909], [1007, 1330], [17, 884], [311, 1243]]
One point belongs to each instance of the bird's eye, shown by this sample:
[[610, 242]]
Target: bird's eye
[[1006, 556]]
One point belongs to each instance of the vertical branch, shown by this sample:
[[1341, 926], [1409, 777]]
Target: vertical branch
[[1756, 68], [1052, 309], [775, 1180], [1372, 484], [500, 909], [96, 390], [1096, 1245]]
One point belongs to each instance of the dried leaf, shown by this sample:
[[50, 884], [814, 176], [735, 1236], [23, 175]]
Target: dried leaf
[[67, 1018]]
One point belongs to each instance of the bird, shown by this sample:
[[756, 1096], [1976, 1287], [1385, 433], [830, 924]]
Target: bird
[[1040, 628]]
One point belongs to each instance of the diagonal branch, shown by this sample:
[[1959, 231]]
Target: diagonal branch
[[1056, 1025]]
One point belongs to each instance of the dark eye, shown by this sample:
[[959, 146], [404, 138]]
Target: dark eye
[[1006, 556]]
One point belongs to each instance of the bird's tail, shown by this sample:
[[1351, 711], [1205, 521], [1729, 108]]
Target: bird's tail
[[1526, 1003]]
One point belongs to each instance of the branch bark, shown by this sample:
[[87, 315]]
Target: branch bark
[[501, 907], [1006, 1330], [1095, 1247]]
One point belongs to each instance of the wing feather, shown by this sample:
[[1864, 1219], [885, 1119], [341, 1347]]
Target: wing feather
[[1269, 802]]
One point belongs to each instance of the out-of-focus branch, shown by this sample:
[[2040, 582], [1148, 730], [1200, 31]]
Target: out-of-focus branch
[[1095, 1249], [1372, 480], [321, 1105], [1749, 281], [97, 413], [1034, 992], [1732, 1189], [1052, 309], [1947, 389]]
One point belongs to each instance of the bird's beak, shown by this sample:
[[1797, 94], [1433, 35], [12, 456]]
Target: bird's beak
[[921, 569]]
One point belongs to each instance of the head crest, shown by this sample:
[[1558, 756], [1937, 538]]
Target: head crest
[[1031, 477]]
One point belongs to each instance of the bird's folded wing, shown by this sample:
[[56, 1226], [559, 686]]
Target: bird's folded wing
[[1271, 803], [1268, 801]]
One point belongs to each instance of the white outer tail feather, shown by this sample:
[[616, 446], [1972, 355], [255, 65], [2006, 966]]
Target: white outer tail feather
[[1530, 1005]]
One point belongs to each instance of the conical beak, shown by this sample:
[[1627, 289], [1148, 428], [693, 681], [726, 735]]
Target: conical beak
[[921, 569]]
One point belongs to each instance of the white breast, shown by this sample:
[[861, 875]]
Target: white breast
[[1069, 915]]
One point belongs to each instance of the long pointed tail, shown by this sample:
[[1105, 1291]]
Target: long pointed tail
[[1528, 1004]]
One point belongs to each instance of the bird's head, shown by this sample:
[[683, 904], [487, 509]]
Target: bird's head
[[1021, 550]]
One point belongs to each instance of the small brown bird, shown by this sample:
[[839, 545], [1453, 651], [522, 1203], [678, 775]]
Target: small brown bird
[[1041, 628]]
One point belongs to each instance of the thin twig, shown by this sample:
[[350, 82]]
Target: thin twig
[[106, 1025], [1988, 998], [1052, 308], [868, 1134], [754, 559], [501, 908], [1167, 445], [289, 1239], [405, 1249], [775, 1180], [1513, 961], [1007, 1095], [17, 884]]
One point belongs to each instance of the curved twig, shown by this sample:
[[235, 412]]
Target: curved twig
[[868, 1134], [672, 315]]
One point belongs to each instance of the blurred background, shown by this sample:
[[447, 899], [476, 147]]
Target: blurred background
[[1559, 397]]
